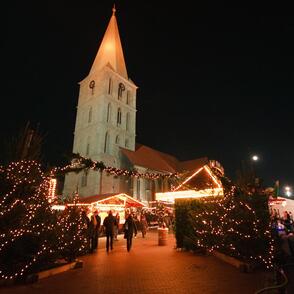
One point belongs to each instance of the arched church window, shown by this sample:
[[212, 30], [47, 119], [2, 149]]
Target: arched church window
[[88, 146], [92, 86], [88, 149], [128, 97], [84, 179], [108, 112], [106, 143], [127, 143], [117, 139], [118, 120], [110, 86], [90, 115], [128, 122], [121, 88]]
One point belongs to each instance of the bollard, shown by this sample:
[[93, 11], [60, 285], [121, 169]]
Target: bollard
[[162, 236]]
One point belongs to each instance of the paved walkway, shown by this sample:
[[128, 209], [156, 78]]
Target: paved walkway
[[147, 269]]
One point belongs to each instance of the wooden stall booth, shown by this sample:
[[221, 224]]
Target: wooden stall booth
[[117, 202]]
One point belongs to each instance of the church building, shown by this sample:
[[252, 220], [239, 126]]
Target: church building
[[105, 130]]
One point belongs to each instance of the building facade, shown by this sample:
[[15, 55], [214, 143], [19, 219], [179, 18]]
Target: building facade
[[106, 116], [105, 130]]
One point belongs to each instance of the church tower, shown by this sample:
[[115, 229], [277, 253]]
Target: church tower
[[106, 117]]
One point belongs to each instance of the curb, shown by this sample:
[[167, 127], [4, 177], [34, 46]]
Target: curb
[[243, 267], [73, 265], [32, 278]]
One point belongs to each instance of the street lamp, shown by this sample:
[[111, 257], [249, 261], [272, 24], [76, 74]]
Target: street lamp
[[255, 158], [288, 191]]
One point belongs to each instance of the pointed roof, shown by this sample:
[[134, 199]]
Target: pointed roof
[[110, 50], [113, 198]]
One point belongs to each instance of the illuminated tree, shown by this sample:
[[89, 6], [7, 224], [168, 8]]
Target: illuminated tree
[[27, 235], [237, 224], [73, 228]]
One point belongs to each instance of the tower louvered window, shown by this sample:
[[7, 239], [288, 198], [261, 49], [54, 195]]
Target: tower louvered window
[[121, 88], [118, 120]]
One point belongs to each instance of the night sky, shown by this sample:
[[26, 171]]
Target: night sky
[[214, 81]]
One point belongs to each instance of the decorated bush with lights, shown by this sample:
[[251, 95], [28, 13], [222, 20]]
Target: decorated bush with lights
[[237, 224], [28, 238], [72, 235], [32, 235]]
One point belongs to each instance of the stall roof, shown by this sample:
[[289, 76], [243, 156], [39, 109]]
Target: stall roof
[[113, 198]]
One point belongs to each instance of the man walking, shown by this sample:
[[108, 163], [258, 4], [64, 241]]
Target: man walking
[[109, 223], [130, 229]]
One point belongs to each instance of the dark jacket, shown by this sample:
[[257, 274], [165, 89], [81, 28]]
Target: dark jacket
[[98, 219], [130, 227], [109, 223]]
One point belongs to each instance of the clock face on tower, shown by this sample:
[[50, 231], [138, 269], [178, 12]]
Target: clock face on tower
[[92, 84]]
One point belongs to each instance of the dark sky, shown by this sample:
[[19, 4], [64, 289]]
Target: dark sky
[[213, 81]]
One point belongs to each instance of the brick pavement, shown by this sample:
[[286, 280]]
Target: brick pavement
[[147, 269]]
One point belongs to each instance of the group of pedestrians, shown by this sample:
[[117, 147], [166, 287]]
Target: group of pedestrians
[[93, 229], [111, 227]]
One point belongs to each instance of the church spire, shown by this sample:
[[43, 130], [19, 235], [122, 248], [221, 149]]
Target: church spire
[[110, 50]]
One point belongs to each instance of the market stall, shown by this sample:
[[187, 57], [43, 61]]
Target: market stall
[[117, 202]]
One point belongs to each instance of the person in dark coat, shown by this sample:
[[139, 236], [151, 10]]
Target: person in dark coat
[[143, 225], [130, 229], [109, 224], [96, 229]]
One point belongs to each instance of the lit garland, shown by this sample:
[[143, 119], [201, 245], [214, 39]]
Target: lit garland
[[80, 163]]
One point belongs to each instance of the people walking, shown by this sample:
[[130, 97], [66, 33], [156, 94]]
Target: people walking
[[116, 227], [143, 225], [96, 229], [108, 224], [92, 234], [130, 229]]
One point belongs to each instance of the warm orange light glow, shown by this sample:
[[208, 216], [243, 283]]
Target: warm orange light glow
[[188, 179], [52, 190], [212, 176], [58, 207], [171, 196]]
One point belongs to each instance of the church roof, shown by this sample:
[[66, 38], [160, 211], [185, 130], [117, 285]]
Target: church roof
[[110, 50], [158, 161]]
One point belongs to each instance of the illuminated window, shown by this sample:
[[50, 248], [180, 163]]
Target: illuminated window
[[106, 143], [128, 121], [90, 115], [117, 139], [118, 120], [110, 86], [121, 88], [108, 113]]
